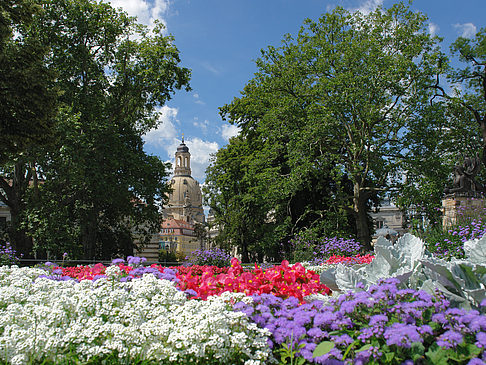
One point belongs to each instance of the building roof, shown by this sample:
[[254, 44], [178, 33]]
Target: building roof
[[176, 223]]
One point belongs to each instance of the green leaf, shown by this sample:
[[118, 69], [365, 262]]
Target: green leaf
[[389, 356], [437, 355], [364, 348], [417, 350], [323, 348], [300, 361]]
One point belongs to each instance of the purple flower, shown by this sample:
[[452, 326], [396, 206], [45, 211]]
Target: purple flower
[[425, 329], [134, 260], [325, 318], [342, 340], [117, 261], [190, 293], [378, 319], [450, 339], [481, 340], [401, 335], [476, 361]]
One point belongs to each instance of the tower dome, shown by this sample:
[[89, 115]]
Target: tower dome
[[185, 199]]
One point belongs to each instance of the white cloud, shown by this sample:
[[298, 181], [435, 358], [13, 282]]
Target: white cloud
[[466, 30], [368, 6], [145, 11], [166, 132], [200, 154], [198, 101], [211, 68], [433, 28], [202, 125], [229, 130]]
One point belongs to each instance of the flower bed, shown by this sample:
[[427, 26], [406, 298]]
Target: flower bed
[[382, 325], [147, 319], [203, 281], [125, 313]]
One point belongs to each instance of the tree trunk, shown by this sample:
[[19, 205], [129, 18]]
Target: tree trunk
[[244, 249], [88, 234], [21, 242], [361, 217], [14, 189]]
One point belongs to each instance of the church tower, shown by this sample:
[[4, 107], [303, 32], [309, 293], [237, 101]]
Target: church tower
[[185, 200], [182, 160]]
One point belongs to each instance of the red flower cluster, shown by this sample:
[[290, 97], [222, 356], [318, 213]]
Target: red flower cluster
[[358, 259], [89, 272], [197, 269], [282, 280]]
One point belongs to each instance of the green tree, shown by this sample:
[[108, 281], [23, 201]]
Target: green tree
[[100, 187], [28, 105], [337, 99], [467, 103], [238, 211], [27, 96], [451, 128]]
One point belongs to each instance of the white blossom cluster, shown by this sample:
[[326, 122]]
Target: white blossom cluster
[[319, 269], [145, 319]]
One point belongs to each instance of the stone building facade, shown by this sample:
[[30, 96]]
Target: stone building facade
[[183, 211]]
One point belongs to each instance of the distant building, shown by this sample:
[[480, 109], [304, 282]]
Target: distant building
[[389, 218], [181, 214], [4, 217], [178, 236]]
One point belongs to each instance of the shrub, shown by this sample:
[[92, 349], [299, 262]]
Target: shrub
[[317, 250], [448, 242], [211, 257], [8, 256]]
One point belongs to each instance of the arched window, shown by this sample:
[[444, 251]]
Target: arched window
[[179, 161]]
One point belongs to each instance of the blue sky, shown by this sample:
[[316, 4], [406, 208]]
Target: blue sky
[[219, 41]]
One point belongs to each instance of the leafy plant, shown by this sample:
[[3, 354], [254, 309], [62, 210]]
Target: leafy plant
[[8, 256], [289, 351], [463, 282]]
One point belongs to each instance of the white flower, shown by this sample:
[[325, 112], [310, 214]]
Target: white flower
[[145, 319]]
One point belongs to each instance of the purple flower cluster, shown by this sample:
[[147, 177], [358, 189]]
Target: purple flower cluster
[[470, 225], [135, 260], [393, 322], [213, 257], [8, 256], [317, 251], [167, 274], [54, 274]]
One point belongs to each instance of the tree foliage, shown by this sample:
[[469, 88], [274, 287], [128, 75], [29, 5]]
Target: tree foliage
[[451, 128], [327, 112], [27, 96], [100, 188], [468, 102]]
